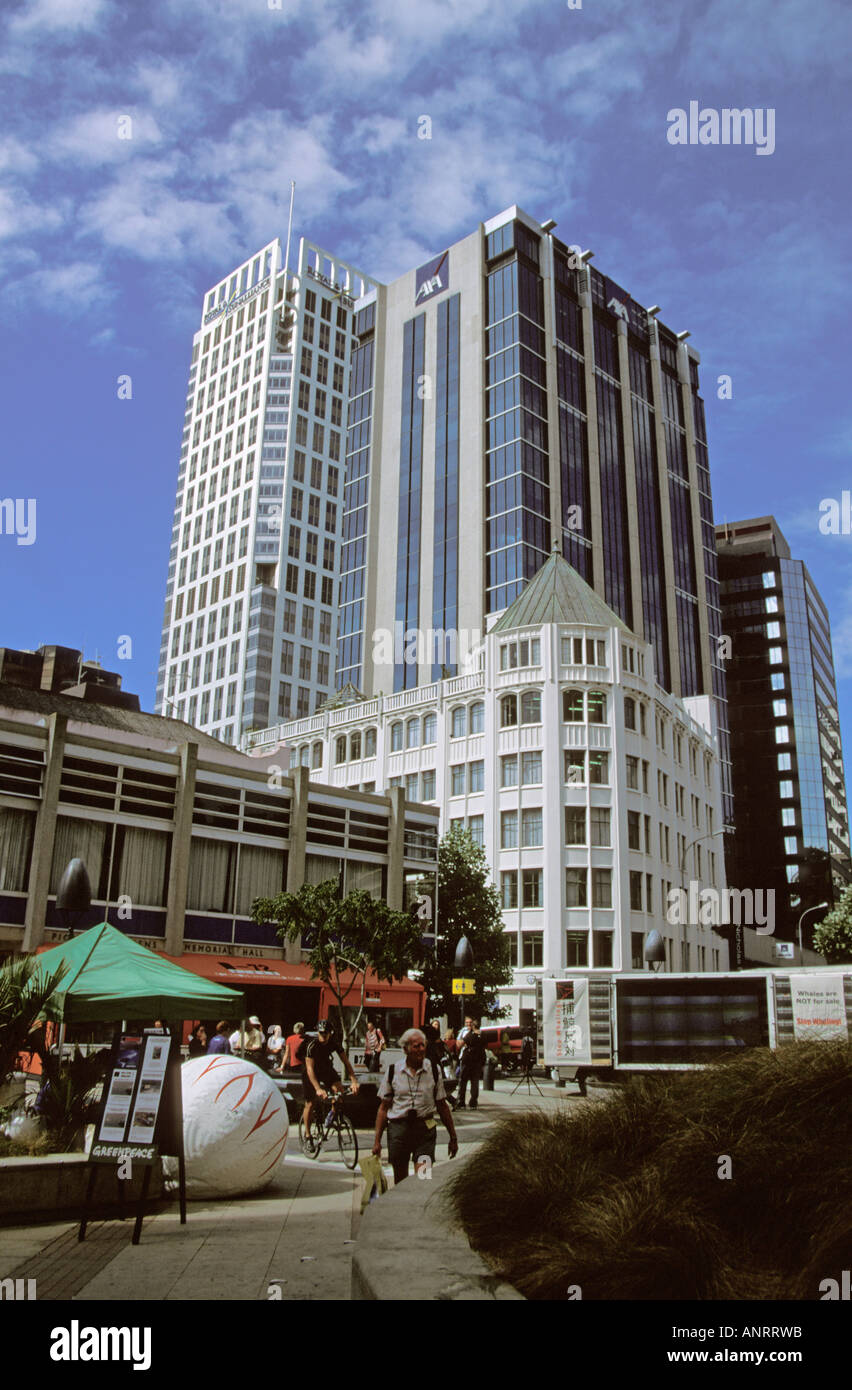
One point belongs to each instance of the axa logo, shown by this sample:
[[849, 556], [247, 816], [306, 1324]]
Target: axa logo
[[432, 278], [76, 1343]]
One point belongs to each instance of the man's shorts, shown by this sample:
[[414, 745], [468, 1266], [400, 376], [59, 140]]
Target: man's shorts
[[411, 1140], [309, 1091]]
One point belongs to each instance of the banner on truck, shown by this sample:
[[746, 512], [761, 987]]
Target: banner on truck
[[819, 1009], [565, 1007]]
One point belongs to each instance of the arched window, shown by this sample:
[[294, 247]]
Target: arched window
[[430, 728], [459, 722], [477, 717], [597, 707], [340, 749], [629, 712], [508, 711], [355, 745], [412, 733], [396, 737], [304, 755], [572, 706], [531, 707], [369, 743], [316, 755]]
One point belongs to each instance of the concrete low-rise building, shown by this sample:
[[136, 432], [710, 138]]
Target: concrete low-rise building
[[180, 834], [595, 792]]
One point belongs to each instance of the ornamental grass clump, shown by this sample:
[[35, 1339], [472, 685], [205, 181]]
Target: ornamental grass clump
[[732, 1182]]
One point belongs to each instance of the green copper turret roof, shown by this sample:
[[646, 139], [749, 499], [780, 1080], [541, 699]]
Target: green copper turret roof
[[558, 594]]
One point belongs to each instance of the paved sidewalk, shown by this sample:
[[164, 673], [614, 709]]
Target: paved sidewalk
[[297, 1236]]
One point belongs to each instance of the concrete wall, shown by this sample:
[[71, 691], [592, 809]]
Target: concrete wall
[[56, 1183]]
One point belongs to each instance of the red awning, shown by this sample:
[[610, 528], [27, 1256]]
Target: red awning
[[245, 970], [239, 971]]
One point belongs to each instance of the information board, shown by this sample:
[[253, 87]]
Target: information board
[[819, 1008], [133, 1092], [565, 1017]]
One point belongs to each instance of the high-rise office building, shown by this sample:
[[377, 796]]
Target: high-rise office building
[[505, 395], [249, 623], [791, 817]]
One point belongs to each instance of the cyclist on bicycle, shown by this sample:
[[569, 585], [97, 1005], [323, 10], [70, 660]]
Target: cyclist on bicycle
[[320, 1075]]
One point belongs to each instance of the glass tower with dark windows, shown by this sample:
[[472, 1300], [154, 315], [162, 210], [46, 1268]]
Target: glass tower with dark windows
[[792, 824], [508, 397]]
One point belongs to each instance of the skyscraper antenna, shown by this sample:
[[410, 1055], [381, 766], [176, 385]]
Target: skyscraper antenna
[[289, 226]]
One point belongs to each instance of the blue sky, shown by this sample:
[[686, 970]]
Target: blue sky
[[107, 245]]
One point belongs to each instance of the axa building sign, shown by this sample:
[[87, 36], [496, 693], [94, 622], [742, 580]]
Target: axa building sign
[[432, 278]]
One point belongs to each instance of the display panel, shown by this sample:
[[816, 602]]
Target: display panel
[[690, 1021]]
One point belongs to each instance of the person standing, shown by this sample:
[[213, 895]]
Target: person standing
[[472, 1061], [294, 1042], [197, 1041], [411, 1097], [434, 1043], [275, 1045], [219, 1041], [374, 1044]]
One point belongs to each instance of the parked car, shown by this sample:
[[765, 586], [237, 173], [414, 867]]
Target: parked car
[[493, 1038]]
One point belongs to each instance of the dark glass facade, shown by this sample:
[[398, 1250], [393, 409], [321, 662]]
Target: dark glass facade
[[517, 469], [649, 519], [410, 491], [356, 497], [445, 572], [791, 818], [548, 346]]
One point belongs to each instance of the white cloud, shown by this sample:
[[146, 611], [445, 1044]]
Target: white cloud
[[147, 212], [767, 41], [51, 16], [104, 136], [69, 288], [16, 157], [19, 216]]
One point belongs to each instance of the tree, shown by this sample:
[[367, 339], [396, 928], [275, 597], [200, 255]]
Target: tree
[[24, 994], [468, 905], [833, 936], [345, 938]]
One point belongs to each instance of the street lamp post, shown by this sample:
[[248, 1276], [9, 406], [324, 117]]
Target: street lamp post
[[710, 835], [463, 965], [818, 908], [75, 895]]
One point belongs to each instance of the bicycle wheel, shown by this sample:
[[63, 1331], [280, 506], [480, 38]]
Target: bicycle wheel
[[347, 1141]]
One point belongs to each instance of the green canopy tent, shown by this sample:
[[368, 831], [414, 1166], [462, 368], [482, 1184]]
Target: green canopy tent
[[109, 977]]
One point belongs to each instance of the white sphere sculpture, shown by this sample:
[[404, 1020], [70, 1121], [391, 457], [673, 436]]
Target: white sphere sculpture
[[234, 1126]]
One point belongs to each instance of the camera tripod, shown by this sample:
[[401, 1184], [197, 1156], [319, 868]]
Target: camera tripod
[[526, 1075]]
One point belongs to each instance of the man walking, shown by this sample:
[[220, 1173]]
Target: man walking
[[412, 1096], [472, 1062]]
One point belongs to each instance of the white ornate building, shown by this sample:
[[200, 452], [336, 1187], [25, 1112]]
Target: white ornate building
[[594, 792]]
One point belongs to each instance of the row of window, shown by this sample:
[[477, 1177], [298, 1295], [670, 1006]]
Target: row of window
[[531, 953]]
